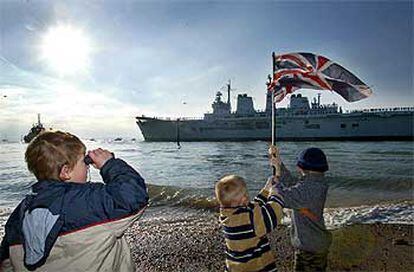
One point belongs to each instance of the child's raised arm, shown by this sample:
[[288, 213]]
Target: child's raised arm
[[267, 212], [282, 172], [124, 194], [263, 195]]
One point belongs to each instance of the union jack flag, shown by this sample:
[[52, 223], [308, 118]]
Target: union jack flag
[[306, 70]]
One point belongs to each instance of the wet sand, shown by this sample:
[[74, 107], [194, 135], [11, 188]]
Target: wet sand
[[183, 239]]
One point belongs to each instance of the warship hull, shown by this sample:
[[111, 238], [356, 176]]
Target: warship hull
[[379, 126]]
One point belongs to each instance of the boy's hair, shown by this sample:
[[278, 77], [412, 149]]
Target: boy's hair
[[50, 151], [228, 187]]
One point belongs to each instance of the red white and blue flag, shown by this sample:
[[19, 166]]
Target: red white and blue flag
[[294, 71]]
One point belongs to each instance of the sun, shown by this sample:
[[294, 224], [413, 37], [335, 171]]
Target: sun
[[66, 50]]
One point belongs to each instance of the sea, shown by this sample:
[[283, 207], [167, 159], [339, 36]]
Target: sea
[[369, 182]]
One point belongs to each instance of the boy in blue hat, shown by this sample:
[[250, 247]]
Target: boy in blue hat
[[307, 199]]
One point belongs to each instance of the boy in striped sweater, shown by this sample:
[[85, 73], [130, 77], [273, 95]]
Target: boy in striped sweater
[[245, 224]]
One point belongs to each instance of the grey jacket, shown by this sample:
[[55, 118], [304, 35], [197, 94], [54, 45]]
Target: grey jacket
[[307, 200]]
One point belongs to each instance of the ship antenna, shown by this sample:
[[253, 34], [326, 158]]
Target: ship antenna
[[319, 99]]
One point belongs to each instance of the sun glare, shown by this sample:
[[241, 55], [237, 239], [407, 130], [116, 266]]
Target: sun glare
[[66, 50]]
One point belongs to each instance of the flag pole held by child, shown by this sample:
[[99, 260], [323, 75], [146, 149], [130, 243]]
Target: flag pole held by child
[[275, 170]]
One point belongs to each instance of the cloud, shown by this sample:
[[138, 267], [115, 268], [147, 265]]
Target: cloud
[[63, 105]]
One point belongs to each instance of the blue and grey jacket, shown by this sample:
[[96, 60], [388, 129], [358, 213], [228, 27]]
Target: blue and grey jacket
[[64, 226], [307, 199]]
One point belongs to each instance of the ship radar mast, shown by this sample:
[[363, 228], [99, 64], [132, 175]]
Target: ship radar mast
[[219, 106], [218, 96]]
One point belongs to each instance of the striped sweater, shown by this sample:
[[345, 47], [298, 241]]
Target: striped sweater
[[245, 229]]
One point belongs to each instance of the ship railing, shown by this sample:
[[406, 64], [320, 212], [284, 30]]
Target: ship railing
[[306, 113], [172, 118], [377, 110], [189, 118]]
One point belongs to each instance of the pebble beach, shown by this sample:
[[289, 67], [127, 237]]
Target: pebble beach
[[185, 239]]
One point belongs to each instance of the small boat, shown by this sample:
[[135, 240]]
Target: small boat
[[34, 131]]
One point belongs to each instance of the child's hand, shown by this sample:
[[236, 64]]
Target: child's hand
[[273, 150], [271, 181], [99, 157], [268, 183], [276, 162], [275, 181], [274, 156]]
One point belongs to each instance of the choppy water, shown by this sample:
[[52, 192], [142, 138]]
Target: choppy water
[[369, 174]]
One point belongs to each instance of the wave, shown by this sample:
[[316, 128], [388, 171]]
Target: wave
[[396, 183], [386, 213], [170, 200], [176, 196], [401, 212], [391, 152]]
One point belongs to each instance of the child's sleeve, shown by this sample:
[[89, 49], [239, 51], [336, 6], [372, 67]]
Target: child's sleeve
[[267, 216], [122, 199], [4, 251], [124, 186], [294, 196], [262, 197], [285, 175]]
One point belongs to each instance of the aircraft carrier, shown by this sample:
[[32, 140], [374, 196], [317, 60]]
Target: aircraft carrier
[[302, 120]]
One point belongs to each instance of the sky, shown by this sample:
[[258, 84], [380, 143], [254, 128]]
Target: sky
[[149, 57]]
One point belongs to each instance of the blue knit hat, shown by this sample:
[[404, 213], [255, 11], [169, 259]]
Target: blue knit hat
[[312, 159]]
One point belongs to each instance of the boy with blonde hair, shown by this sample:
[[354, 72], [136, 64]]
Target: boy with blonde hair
[[245, 224], [67, 224]]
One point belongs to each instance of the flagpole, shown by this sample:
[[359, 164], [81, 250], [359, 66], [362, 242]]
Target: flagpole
[[273, 109], [273, 118], [273, 101]]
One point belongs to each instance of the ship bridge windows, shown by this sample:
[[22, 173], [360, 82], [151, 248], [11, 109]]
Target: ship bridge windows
[[355, 125], [343, 125]]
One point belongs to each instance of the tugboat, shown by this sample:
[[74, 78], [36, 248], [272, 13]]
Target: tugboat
[[34, 131]]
